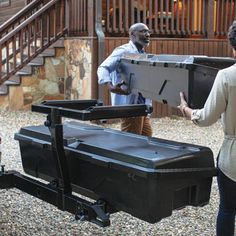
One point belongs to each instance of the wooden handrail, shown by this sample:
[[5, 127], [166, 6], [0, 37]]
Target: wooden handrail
[[29, 20], [14, 19]]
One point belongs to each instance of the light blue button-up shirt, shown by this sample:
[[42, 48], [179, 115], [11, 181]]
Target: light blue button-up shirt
[[109, 71]]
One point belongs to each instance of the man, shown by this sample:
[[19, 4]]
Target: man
[[109, 74]]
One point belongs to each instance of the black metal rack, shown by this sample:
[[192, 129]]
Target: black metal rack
[[59, 191]]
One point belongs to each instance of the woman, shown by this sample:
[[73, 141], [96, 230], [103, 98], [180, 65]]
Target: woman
[[221, 103]]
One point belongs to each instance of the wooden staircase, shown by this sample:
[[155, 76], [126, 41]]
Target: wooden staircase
[[27, 39], [28, 70]]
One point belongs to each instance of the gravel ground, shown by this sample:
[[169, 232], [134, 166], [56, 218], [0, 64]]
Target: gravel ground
[[22, 214]]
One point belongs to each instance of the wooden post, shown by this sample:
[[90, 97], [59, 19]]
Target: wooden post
[[94, 47], [100, 49], [91, 18], [209, 19]]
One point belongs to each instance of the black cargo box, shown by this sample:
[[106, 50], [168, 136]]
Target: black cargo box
[[146, 177]]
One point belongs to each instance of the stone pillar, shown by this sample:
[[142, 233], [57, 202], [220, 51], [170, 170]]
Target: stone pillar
[[81, 49], [78, 64]]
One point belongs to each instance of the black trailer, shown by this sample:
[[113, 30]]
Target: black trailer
[[118, 171]]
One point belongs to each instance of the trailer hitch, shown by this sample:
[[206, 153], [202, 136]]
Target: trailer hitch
[[94, 212]]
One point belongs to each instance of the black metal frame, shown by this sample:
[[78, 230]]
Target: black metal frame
[[59, 192], [96, 212]]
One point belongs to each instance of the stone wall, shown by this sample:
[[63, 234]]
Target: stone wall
[[78, 62]]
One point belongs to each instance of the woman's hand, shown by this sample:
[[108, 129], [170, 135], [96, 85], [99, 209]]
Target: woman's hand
[[183, 104]]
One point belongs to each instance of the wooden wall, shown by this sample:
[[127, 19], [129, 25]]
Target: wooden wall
[[208, 47], [8, 11]]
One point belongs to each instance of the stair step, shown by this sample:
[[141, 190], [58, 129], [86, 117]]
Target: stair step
[[27, 70], [38, 61], [49, 52], [13, 80], [59, 43], [9, 82], [3, 89]]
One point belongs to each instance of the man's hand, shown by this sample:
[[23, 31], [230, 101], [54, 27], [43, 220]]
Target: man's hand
[[117, 88]]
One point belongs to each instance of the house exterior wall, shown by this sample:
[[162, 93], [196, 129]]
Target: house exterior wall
[[71, 74], [77, 73]]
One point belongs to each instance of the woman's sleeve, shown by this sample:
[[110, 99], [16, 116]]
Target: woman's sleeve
[[215, 104]]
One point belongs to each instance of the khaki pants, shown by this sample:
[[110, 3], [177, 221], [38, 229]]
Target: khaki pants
[[137, 125]]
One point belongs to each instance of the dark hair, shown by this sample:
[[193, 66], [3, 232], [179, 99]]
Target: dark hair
[[232, 34]]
